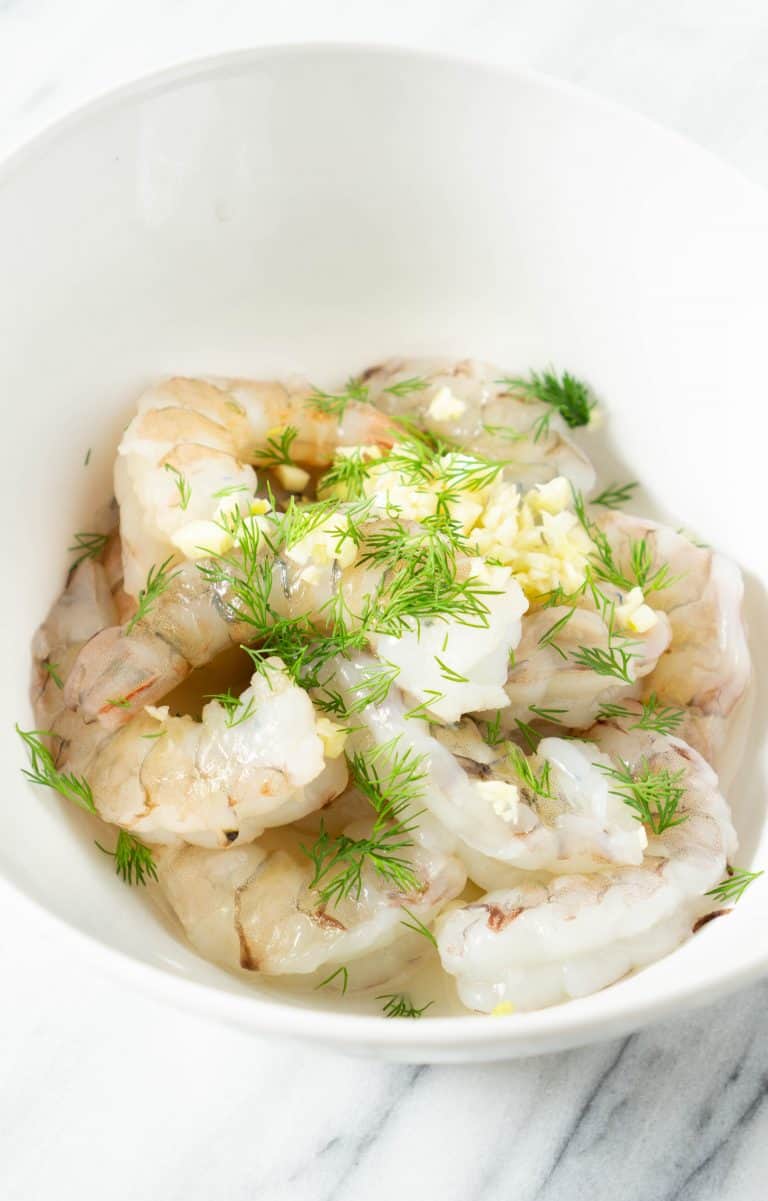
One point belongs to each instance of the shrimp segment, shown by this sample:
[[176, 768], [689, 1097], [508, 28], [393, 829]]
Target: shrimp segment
[[187, 456], [706, 669], [545, 675], [476, 795], [537, 942], [251, 909], [483, 416]]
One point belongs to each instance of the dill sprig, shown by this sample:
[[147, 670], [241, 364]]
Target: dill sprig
[[549, 636], [232, 706], [406, 387], [539, 784], [53, 671], [654, 794], [88, 546], [335, 405], [492, 732], [531, 737], [568, 395], [183, 486], [399, 1005], [733, 887], [277, 450], [158, 579], [230, 490], [342, 971], [423, 712], [346, 477], [662, 719], [615, 495], [603, 566], [552, 715], [392, 783], [134, 862], [43, 770], [417, 925]]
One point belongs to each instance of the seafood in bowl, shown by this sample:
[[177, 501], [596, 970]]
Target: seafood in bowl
[[474, 714]]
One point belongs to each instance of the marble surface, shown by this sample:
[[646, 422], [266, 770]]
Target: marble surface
[[107, 1094]]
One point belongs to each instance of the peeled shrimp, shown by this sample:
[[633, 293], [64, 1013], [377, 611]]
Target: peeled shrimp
[[540, 941], [473, 791], [252, 909], [186, 457], [706, 668], [193, 620], [479, 405], [546, 677], [225, 778]]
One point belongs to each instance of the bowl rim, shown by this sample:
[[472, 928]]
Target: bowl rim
[[568, 1024]]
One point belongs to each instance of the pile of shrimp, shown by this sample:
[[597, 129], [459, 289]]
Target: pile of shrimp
[[447, 790]]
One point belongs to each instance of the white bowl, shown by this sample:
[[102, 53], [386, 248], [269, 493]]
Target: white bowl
[[315, 209]]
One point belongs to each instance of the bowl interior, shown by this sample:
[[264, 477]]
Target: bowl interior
[[315, 210]]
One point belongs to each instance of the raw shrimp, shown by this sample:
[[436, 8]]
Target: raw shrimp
[[543, 940], [546, 676], [706, 668], [187, 456], [483, 415], [478, 796], [195, 619], [252, 909], [240, 770], [91, 599]]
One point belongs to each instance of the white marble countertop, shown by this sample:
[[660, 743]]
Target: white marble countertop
[[105, 1094]]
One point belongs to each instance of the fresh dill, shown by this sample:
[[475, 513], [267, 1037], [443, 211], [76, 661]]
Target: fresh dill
[[662, 719], [614, 660], [87, 458], [88, 546], [336, 405], [603, 566], [552, 715], [406, 387], [642, 564], [342, 971], [507, 432], [392, 783], [615, 495], [492, 732], [448, 673], [53, 672], [423, 712], [539, 784], [418, 926], [158, 579], [158, 734], [43, 770], [119, 702], [733, 887], [654, 794], [541, 426], [346, 477], [277, 449], [399, 1005], [230, 490], [232, 706], [531, 737], [134, 862], [568, 395], [183, 486], [549, 636]]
